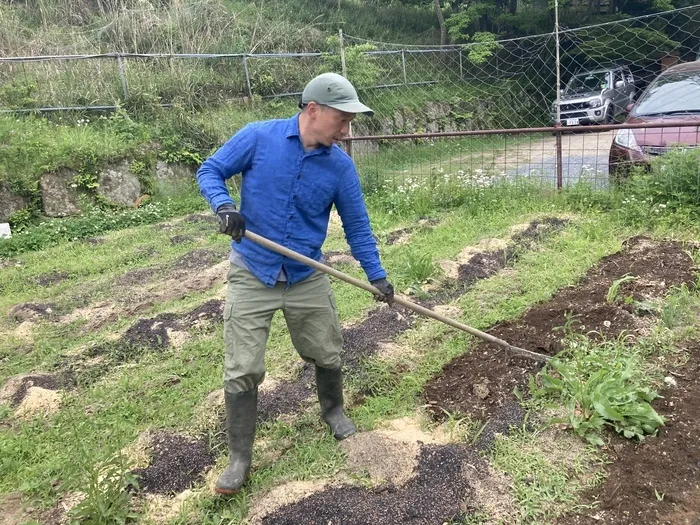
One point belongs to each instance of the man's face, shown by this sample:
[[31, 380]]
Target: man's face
[[331, 125]]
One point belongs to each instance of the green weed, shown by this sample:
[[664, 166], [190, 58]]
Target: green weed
[[416, 267], [108, 495], [611, 296], [600, 385]]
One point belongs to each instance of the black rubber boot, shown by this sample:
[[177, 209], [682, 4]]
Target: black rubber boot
[[329, 383], [241, 414]]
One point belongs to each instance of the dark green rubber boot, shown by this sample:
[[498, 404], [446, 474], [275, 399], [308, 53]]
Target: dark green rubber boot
[[241, 415], [329, 383]]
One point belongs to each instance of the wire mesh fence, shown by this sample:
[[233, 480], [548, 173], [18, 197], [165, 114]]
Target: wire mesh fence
[[568, 77]]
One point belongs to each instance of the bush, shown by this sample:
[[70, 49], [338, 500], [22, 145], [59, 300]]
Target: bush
[[670, 186]]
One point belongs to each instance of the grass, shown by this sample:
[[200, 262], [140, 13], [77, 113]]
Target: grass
[[107, 413]]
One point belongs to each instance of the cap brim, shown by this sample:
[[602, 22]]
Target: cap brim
[[353, 107]]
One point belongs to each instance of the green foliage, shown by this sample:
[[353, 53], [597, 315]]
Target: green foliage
[[33, 146], [611, 296], [86, 181], [416, 267], [678, 309], [670, 186], [362, 69], [483, 46], [620, 42], [18, 93], [599, 385], [95, 222], [20, 219], [108, 495]]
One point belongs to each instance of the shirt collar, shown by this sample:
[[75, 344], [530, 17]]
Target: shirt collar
[[293, 131], [293, 126]]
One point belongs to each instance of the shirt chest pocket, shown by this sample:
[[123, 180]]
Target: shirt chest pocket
[[315, 196]]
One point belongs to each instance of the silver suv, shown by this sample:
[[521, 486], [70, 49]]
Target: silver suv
[[595, 96]]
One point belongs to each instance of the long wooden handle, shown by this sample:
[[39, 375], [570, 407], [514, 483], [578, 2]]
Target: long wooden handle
[[262, 241]]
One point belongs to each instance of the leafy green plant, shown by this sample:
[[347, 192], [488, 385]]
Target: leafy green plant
[[599, 386], [20, 220], [416, 267], [670, 186], [86, 181], [362, 69], [108, 495], [614, 289], [678, 307], [18, 93]]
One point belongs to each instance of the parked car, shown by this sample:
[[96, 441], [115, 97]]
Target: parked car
[[596, 96], [673, 96]]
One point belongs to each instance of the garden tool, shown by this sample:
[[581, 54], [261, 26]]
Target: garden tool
[[273, 246]]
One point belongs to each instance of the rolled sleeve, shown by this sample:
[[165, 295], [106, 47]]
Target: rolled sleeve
[[352, 210], [236, 156]]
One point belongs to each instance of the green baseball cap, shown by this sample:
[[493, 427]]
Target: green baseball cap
[[336, 91]]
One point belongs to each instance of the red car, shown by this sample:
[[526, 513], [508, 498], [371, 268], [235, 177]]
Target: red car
[[672, 97]]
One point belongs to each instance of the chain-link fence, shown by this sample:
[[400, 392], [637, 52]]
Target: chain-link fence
[[568, 77]]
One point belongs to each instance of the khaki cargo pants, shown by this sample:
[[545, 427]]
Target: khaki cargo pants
[[310, 312]]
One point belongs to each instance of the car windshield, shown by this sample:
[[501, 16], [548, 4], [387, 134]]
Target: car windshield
[[672, 94], [587, 82]]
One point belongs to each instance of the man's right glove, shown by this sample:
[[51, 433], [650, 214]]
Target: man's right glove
[[387, 290], [231, 222]]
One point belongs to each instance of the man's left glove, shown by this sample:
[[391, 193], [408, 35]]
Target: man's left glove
[[231, 222], [387, 290]]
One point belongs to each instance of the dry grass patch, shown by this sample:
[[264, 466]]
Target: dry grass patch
[[284, 495], [385, 460], [38, 402]]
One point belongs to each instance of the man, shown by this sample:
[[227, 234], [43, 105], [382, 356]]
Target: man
[[293, 172]]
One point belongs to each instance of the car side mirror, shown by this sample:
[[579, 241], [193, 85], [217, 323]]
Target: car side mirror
[[619, 84]]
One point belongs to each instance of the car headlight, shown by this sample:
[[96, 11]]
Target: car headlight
[[626, 139], [595, 103]]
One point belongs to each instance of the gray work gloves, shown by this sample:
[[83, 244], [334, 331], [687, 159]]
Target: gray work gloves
[[231, 222], [387, 290]]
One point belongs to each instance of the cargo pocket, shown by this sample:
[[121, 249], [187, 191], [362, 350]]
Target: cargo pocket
[[336, 331]]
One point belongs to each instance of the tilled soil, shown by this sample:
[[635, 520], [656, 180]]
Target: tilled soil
[[199, 259], [486, 264], [49, 279], [482, 381], [658, 480], [287, 398], [30, 311], [435, 495], [423, 223], [383, 324], [176, 463], [146, 334], [135, 277], [180, 239], [47, 381]]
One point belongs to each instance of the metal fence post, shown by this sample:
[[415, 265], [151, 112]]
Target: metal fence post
[[247, 77], [558, 109], [344, 69], [559, 156], [461, 73], [122, 76], [403, 63]]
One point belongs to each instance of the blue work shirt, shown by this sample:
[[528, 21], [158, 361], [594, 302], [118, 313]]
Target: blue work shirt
[[287, 195]]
